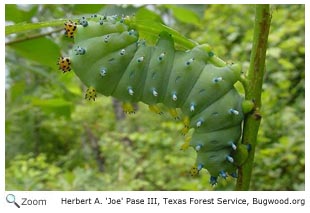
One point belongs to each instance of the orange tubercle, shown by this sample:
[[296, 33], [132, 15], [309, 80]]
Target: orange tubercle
[[70, 28], [64, 64]]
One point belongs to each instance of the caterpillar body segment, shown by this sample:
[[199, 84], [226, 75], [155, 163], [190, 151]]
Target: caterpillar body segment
[[160, 65]]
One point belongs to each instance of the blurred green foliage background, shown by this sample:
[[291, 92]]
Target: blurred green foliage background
[[55, 140]]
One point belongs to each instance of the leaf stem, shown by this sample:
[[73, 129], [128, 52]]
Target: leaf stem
[[253, 91]]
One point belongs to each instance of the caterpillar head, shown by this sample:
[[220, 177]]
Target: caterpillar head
[[70, 28], [64, 64]]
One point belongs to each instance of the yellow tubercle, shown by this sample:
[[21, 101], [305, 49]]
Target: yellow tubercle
[[91, 93], [128, 108], [173, 112], [156, 109]]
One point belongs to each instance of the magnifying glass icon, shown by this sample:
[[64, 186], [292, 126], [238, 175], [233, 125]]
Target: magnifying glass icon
[[10, 198]]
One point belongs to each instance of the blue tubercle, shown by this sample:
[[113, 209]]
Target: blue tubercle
[[217, 79], [234, 174], [229, 159], [223, 174], [103, 72], [192, 107], [213, 180], [174, 97], [198, 147], [233, 112], [161, 56], [79, 50], [190, 61], [199, 123], [83, 22], [233, 145]]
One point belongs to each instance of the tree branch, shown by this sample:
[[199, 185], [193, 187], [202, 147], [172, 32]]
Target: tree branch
[[253, 91], [32, 37]]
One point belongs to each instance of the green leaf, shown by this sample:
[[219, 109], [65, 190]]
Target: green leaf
[[41, 50], [145, 14], [87, 8], [184, 15], [149, 30], [113, 9], [59, 107], [18, 14], [17, 89], [51, 102]]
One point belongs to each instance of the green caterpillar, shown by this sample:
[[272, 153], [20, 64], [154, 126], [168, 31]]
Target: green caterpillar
[[110, 59]]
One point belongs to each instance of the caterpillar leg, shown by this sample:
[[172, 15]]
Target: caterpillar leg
[[186, 144], [91, 93], [173, 112], [186, 122], [156, 109], [128, 108], [185, 130], [195, 170]]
